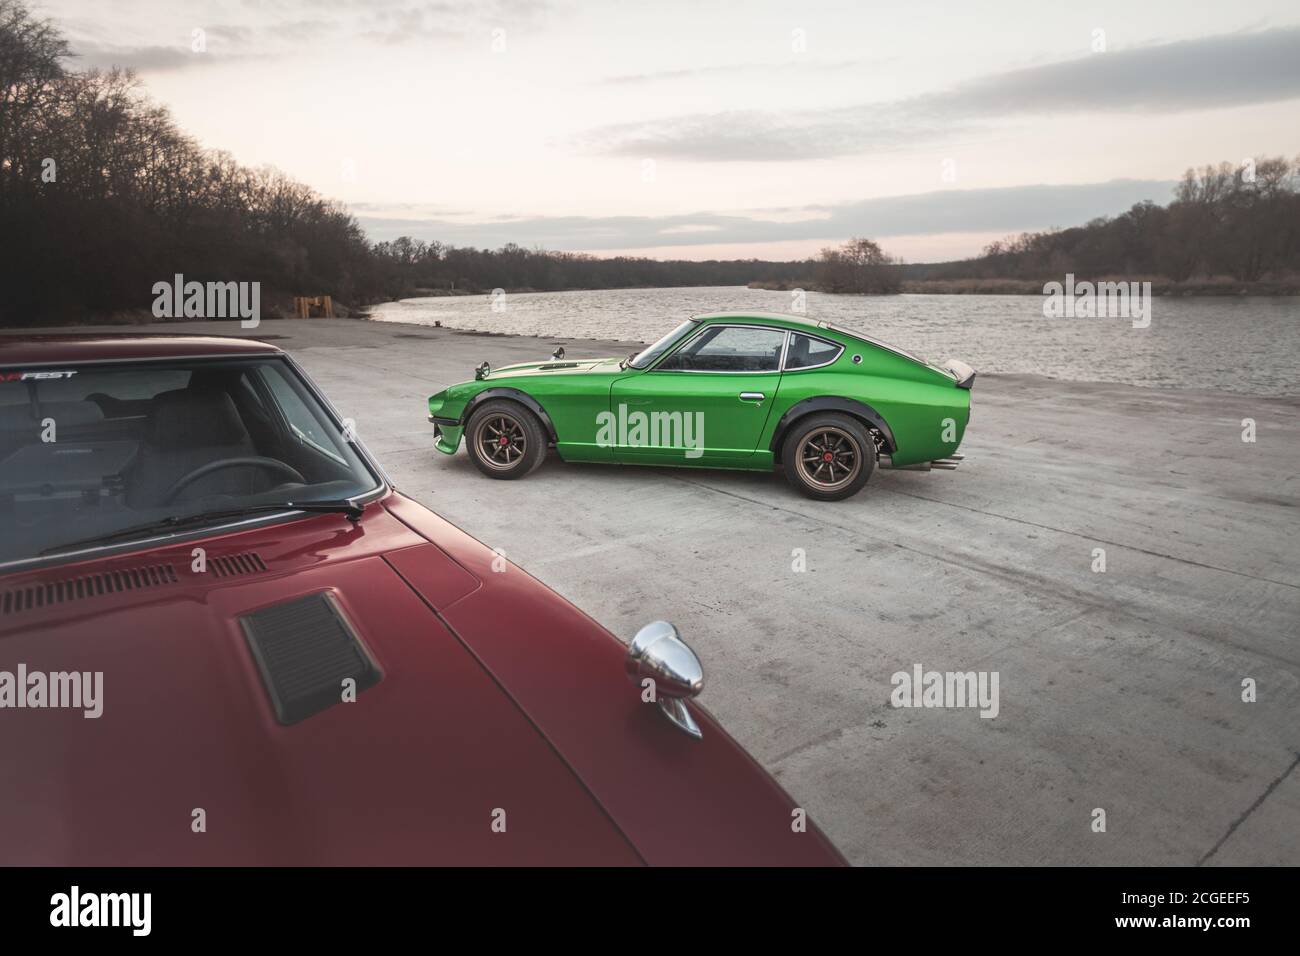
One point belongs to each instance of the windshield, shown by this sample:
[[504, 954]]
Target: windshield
[[647, 356], [91, 450]]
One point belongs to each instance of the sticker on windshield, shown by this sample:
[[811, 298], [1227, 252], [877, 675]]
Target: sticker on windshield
[[33, 376]]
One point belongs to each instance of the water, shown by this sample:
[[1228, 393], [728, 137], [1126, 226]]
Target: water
[[1249, 345]]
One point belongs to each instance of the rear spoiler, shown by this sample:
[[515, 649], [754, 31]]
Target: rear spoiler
[[963, 373]]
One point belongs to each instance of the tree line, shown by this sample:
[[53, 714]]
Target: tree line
[[102, 195], [1240, 221], [409, 266]]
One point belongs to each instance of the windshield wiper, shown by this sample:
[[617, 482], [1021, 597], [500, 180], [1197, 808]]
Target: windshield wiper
[[350, 509]]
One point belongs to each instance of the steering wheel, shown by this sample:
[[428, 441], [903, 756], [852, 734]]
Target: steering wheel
[[274, 464]]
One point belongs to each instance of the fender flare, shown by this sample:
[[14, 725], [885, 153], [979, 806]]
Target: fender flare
[[514, 394], [831, 403]]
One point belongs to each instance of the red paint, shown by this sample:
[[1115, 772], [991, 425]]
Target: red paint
[[497, 693]]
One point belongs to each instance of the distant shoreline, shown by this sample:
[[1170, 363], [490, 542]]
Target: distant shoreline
[[1160, 286], [276, 308]]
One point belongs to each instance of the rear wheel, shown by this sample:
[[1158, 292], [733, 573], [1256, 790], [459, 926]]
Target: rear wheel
[[828, 457], [505, 439]]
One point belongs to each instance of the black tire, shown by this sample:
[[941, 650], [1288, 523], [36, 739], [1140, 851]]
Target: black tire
[[811, 439], [504, 439]]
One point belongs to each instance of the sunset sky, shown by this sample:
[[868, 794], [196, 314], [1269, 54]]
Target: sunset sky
[[709, 129]]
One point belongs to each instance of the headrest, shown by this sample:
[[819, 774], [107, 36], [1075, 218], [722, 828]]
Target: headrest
[[194, 419]]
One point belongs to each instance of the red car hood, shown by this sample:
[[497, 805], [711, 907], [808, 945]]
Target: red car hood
[[502, 730], [412, 772]]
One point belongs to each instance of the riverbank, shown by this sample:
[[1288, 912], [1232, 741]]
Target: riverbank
[[1161, 286], [276, 306], [1120, 687]]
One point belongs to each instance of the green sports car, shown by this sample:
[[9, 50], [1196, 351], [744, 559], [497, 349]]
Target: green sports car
[[729, 390]]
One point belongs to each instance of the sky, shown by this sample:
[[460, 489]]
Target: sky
[[704, 129]]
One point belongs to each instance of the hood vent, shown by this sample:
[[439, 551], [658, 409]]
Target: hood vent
[[305, 649], [233, 565], [50, 593]]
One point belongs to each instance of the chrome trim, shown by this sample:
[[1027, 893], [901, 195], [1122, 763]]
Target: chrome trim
[[657, 653], [675, 710], [752, 396]]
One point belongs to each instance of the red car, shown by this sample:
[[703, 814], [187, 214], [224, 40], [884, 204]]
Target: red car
[[226, 639]]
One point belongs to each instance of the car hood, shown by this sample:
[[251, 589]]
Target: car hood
[[680, 801], [188, 764], [562, 367]]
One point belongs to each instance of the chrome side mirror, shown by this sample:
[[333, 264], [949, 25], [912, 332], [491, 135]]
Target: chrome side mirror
[[558, 353], [659, 654], [483, 371]]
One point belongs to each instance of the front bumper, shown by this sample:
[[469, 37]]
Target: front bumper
[[446, 433]]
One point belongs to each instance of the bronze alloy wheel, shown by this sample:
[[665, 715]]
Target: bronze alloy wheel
[[829, 458], [501, 441]]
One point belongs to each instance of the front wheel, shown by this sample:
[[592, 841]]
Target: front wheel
[[504, 439], [828, 457]]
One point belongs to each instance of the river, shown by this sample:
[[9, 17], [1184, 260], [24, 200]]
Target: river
[[1249, 345]]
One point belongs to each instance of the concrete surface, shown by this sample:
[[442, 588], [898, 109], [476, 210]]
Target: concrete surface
[[1119, 690]]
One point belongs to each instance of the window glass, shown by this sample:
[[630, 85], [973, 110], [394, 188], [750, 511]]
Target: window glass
[[120, 452], [806, 351], [647, 356], [302, 420], [729, 349]]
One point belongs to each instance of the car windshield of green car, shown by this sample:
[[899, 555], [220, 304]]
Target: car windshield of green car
[[98, 452], [648, 355]]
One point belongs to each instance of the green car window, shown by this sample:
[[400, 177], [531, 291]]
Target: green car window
[[729, 348], [808, 352], [646, 356]]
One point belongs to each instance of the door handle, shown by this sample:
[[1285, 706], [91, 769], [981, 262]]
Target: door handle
[[752, 396]]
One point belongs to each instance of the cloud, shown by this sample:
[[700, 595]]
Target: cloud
[[1233, 69], [152, 59], [403, 20], [1213, 72], [1005, 210], [802, 67], [280, 28], [757, 135]]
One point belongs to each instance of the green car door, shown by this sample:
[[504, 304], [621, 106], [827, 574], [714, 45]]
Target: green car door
[[705, 403]]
